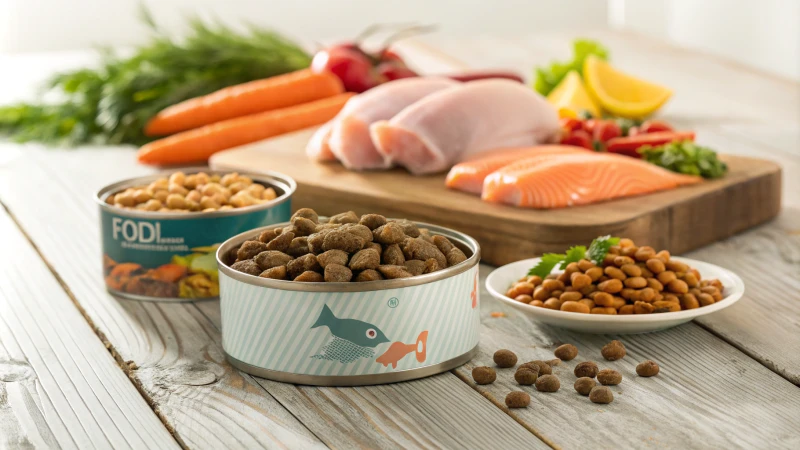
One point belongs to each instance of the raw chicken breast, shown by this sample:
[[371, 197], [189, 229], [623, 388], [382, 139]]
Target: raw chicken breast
[[468, 176], [447, 127], [350, 139], [557, 181], [317, 148]]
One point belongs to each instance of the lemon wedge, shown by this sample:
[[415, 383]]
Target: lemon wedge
[[620, 93], [570, 96]]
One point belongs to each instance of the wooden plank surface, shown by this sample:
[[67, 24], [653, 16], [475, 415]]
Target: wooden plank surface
[[707, 394], [748, 195], [177, 350], [59, 386]]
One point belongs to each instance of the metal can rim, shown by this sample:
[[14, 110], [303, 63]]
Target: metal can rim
[[282, 181], [464, 239]]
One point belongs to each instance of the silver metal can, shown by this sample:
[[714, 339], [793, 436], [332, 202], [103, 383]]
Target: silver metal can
[[356, 333], [160, 256]]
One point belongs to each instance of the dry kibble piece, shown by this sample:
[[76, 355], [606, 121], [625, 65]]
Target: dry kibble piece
[[676, 266], [302, 264], [594, 273], [636, 282], [307, 213], [647, 369], [431, 265], [705, 299], [609, 377], [588, 302], [572, 306], [336, 273], [580, 280], [345, 217], [310, 277], [547, 383], [620, 261], [677, 286], [627, 309], [303, 226], [569, 296], [664, 306], [281, 242], [666, 277], [614, 272], [584, 385], [484, 375], [390, 233], [601, 394], [689, 301], [691, 280], [271, 258], [416, 267], [359, 230], [586, 369], [339, 239], [332, 257], [566, 352], [553, 362], [372, 221], [392, 272], [518, 399], [656, 265], [268, 235], [603, 299], [544, 368], [250, 249], [553, 303], [524, 299], [505, 358], [455, 256], [276, 273], [526, 376], [368, 275], [553, 285], [409, 228], [613, 351], [392, 255], [247, 266], [367, 259], [643, 308], [298, 247], [423, 250], [609, 310], [611, 286]]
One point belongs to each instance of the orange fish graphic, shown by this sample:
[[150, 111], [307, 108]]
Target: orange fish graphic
[[474, 294], [398, 350]]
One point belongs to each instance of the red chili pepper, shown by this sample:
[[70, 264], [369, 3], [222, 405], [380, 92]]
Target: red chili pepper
[[628, 146]]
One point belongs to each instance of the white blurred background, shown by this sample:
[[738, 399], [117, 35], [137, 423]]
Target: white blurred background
[[763, 34]]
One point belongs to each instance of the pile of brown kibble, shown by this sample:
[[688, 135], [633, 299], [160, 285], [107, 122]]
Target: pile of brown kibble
[[632, 280], [345, 248], [540, 373], [197, 192]]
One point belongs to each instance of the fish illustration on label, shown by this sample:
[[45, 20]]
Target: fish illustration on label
[[399, 350], [351, 339]]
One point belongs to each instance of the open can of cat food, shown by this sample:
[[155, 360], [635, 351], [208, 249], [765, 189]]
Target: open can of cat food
[[169, 253], [354, 333]]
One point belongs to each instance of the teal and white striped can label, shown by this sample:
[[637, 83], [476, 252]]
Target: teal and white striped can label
[[350, 333]]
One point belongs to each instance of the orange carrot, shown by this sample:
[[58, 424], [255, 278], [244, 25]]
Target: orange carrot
[[199, 144], [244, 99]]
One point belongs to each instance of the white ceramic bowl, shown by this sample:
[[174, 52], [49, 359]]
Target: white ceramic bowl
[[503, 277]]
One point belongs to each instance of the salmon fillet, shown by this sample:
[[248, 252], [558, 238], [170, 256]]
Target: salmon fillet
[[558, 181], [350, 139], [449, 126], [468, 176]]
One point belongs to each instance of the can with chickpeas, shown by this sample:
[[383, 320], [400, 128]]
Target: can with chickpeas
[[160, 233]]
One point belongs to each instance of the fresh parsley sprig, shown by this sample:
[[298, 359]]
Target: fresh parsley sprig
[[596, 253]]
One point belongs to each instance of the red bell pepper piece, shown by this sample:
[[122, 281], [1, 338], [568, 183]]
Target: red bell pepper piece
[[628, 146]]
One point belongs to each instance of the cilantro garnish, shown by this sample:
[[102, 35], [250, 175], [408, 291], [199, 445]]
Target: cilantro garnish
[[597, 252]]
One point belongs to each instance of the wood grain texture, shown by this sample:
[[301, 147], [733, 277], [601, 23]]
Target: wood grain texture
[[177, 350], [59, 387], [707, 394], [178, 366], [749, 194]]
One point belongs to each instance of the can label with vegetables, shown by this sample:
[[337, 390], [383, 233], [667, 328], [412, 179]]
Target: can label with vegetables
[[169, 253]]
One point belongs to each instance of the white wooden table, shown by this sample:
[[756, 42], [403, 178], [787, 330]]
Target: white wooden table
[[82, 369]]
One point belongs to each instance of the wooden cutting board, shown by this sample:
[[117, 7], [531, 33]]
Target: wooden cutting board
[[679, 220]]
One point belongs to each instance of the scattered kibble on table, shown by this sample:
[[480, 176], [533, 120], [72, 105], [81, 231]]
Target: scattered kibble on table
[[647, 369], [518, 399], [526, 376], [566, 352], [613, 351], [584, 385], [484, 375], [609, 377], [601, 394], [505, 358], [548, 383], [586, 369]]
